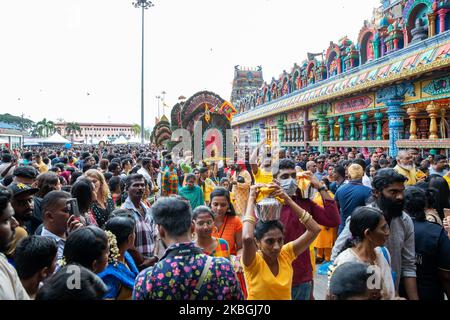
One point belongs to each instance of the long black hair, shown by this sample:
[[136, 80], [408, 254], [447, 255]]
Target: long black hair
[[82, 191], [261, 228], [362, 218], [441, 185], [415, 202], [222, 192]]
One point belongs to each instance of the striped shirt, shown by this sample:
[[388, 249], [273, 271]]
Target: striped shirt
[[145, 228]]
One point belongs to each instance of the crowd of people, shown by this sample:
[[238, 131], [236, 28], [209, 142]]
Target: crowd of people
[[134, 222]]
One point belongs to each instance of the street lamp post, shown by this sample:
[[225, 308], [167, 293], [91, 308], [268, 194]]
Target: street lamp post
[[158, 97], [163, 99], [143, 4]]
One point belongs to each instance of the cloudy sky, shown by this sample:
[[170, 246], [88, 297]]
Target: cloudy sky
[[80, 60]]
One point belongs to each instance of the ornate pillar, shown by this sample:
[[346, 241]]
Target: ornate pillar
[[396, 115], [431, 24], [364, 118], [331, 123], [341, 122], [314, 131], [379, 131], [433, 111], [405, 37], [291, 132], [376, 48], [306, 126], [395, 44], [352, 120], [300, 132], [441, 20], [280, 127], [393, 98], [412, 113], [321, 112], [322, 123], [383, 47], [294, 132], [262, 132]]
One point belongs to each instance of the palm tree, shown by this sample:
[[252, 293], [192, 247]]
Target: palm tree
[[72, 128], [45, 127], [136, 129], [147, 134]]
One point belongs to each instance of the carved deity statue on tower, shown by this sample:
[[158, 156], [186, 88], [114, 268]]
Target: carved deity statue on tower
[[420, 32]]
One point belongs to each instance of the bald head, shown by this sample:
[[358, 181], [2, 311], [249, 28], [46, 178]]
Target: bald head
[[311, 166]]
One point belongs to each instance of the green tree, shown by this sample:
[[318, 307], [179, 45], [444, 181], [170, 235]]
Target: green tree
[[147, 134], [136, 129], [45, 128], [72, 128], [19, 122]]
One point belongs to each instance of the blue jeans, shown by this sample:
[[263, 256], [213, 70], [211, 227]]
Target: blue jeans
[[302, 291]]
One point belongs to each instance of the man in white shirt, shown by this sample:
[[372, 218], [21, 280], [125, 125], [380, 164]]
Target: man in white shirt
[[10, 286]]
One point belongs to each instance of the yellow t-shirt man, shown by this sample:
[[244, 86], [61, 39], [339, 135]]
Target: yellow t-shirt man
[[261, 282], [263, 176]]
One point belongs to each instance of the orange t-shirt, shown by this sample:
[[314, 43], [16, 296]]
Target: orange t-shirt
[[231, 225]]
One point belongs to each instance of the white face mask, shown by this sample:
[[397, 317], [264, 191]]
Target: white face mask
[[289, 186]]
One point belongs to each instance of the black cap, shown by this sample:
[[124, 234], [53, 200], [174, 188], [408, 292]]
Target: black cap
[[21, 188], [25, 172]]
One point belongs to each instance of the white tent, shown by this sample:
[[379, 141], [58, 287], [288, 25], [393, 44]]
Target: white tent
[[135, 140], [32, 141], [105, 139], [3, 141], [56, 138], [120, 140]]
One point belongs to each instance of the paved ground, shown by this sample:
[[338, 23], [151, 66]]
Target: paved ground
[[320, 285]]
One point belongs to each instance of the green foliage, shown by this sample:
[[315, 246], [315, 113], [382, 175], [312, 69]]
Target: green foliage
[[22, 123], [45, 128]]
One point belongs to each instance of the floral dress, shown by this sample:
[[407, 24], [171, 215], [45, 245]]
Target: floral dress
[[175, 277]]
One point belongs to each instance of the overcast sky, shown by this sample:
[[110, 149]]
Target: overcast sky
[[80, 60]]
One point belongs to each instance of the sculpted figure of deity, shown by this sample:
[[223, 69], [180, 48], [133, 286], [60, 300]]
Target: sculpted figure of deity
[[298, 82], [285, 89], [420, 32], [333, 67]]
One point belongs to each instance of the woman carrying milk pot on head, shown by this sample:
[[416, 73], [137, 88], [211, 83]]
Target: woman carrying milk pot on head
[[266, 259]]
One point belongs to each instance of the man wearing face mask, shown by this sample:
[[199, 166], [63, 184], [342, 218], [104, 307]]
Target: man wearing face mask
[[328, 216], [388, 191]]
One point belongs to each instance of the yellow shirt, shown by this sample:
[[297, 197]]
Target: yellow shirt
[[207, 189], [42, 167], [262, 284], [264, 177], [411, 175], [19, 234]]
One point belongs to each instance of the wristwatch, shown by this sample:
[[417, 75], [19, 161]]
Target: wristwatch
[[322, 188]]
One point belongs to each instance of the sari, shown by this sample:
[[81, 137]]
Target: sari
[[194, 195]]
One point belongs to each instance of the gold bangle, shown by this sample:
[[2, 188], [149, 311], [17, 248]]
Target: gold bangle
[[306, 220], [248, 218], [304, 214]]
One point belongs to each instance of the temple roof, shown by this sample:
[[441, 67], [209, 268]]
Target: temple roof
[[426, 55]]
